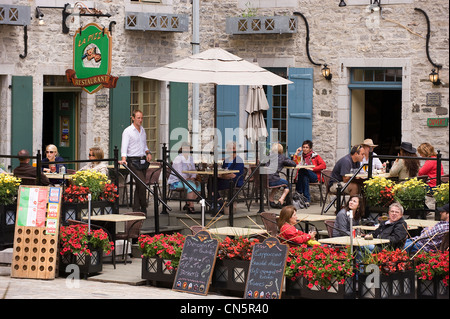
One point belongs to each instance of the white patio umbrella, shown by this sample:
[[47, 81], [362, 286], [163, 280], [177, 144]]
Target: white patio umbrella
[[256, 104], [215, 66]]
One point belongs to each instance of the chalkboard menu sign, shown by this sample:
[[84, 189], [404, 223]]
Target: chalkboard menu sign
[[265, 277], [196, 264]]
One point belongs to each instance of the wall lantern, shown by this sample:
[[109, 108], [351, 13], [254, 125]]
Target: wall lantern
[[434, 77], [342, 3], [39, 15], [326, 72]]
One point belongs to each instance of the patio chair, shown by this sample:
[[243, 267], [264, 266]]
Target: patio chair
[[270, 223], [196, 228], [27, 180], [132, 230], [330, 226], [326, 174], [444, 243], [152, 177]]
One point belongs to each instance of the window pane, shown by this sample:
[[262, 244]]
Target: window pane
[[390, 75], [398, 75], [358, 75], [368, 75], [379, 75]]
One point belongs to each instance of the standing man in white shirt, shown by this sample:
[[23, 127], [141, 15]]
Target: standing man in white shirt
[[136, 155]]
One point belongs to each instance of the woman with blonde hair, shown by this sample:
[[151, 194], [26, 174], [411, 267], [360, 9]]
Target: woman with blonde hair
[[275, 181], [101, 167], [52, 155], [429, 168]]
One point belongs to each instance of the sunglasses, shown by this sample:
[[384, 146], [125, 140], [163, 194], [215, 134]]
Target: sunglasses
[[51, 152], [91, 154]]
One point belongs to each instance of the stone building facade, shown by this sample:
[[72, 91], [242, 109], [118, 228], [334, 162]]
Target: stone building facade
[[379, 60]]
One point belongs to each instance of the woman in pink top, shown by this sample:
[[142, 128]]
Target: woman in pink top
[[286, 222], [430, 166]]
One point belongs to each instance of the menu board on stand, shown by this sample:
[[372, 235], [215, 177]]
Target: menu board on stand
[[36, 232]]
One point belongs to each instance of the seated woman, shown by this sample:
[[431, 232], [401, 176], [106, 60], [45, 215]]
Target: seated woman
[[286, 222], [405, 168], [234, 163], [342, 222], [51, 153], [429, 168], [308, 175], [275, 179], [96, 153], [185, 162]]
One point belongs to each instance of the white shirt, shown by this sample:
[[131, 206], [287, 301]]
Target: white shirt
[[181, 164], [134, 143], [376, 163]]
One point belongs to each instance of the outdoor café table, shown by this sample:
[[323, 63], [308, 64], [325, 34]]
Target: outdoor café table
[[293, 169], [372, 228], [421, 222], [310, 218], [358, 241], [236, 231], [110, 222]]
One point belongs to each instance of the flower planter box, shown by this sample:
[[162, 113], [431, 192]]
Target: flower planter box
[[398, 285], [77, 211], [230, 275], [432, 289], [7, 225], [299, 289], [155, 270], [87, 264]]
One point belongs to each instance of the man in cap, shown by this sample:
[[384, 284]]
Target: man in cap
[[368, 147], [431, 237]]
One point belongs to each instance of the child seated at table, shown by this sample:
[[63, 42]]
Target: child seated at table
[[286, 222]]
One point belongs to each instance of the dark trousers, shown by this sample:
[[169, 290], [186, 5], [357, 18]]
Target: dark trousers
[[140, 194]]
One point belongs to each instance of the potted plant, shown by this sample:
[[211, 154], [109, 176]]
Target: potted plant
[[84, 248], [319, 272], [160, 256], [432, 274], [9, 186], [378, 191], [411, 194], [232, 264], [387, 274], [441, 194], [75, 197]]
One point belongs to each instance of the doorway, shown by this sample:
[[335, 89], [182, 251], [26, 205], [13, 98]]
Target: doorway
[[376, 114], [60, 124]]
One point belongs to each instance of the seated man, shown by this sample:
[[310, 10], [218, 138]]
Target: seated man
[[395, 228], [27, 170], [345, 166], [232, 162], [430, 238]]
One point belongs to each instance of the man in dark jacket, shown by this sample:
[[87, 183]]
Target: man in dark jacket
[[395, 228], [27, 170]]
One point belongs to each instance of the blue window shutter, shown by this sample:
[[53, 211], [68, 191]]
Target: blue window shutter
[[300, 103], [227, 97], [21, 116], [119, 112]]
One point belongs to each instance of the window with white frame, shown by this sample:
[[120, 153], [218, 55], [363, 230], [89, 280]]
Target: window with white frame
[[145, 97]]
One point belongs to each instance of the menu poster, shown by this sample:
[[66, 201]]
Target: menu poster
[[196, 264], [265, 277], [54, 198], [32, 206]]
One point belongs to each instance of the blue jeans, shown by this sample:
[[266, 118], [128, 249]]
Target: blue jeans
[[305, 176], [412, 247]]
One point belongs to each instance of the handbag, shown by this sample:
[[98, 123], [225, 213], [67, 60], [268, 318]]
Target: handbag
[[299, 200], [137, 163]]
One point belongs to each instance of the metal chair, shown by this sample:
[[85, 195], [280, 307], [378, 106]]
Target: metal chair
[[270, 223], [27, 180], [132, 230], [152, 177], [326, 174], [330, 226]]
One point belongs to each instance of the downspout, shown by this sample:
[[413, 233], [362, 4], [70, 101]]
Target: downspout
[[195, 87]]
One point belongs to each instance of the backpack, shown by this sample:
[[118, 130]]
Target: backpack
[[299, 200]]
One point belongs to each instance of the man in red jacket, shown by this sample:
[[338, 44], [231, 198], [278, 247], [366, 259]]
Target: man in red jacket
[[310, 174]]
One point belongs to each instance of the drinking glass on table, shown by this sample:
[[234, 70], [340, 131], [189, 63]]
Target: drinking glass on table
[[53, 169]]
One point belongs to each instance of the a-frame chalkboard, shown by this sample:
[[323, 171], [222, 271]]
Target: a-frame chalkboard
[[196, 264], [266, 272]]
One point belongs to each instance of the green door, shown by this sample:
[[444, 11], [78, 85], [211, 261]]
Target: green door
[[64, 110]]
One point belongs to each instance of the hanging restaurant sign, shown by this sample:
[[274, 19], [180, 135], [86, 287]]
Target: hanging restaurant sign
[[92, 59]]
